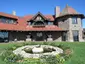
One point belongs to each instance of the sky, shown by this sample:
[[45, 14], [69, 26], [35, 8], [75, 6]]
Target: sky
[[26, 7]]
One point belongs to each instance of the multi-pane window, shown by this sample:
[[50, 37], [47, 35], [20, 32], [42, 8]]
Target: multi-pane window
[[75, 35], [7, 20], [74, 20]]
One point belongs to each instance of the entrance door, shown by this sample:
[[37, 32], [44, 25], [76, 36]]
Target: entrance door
[[39, 36]]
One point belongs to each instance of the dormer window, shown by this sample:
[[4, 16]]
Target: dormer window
[[7, 20], [38, 23], [39, 18], [74, 20], [50, 23]]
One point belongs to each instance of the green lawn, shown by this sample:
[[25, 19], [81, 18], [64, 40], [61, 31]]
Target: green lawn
[[78, 48]]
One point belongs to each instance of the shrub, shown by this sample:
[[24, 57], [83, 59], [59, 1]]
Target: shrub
[[30, 61], [51, 59], [19, 45], [63, 46], [8, 56], [5, 53], [60, 59], [67, 54], [25, 43], [28, 50], [48, 49]]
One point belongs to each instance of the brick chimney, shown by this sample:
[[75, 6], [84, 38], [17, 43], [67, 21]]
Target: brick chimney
[[57, 11], [13, 13]]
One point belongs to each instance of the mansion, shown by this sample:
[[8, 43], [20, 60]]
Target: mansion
[[65, 25]]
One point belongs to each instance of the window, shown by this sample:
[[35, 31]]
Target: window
[[75, 35], [3, 20], [74, 20], [39, 18], [39, 23], [7, 20], [29, 23], [3, 36], [39, 34], [50, 23], [64, 37], [84, 33]]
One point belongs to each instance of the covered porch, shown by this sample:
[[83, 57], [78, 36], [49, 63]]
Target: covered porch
[[11, 36]]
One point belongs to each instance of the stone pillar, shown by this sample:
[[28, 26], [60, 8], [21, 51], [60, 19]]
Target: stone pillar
[[80, 31], [70, 35], [80, 36]]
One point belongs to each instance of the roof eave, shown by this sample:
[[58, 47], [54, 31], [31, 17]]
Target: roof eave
[[81, 15]]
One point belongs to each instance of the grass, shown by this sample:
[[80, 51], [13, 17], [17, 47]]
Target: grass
[[78, 48]]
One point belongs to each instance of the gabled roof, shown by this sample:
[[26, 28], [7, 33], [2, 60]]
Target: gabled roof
[[22, 24], [40, 15], [28, 17], [48, 17]]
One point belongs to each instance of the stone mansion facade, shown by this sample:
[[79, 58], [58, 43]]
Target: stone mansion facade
[[62, 26]]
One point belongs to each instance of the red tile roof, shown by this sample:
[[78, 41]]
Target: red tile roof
[[22, 21], [22, 24], [18, 27], [8, 15], [68, 10], [28, 17], [49, 17], [12, 27], [46, 28]]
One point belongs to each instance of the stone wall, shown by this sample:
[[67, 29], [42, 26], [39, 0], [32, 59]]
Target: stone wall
[[67, 25], [75, 27], [63, 24]]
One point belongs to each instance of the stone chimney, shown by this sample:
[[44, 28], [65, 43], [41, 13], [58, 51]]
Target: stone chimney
[[13, 13], [57, 11]]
